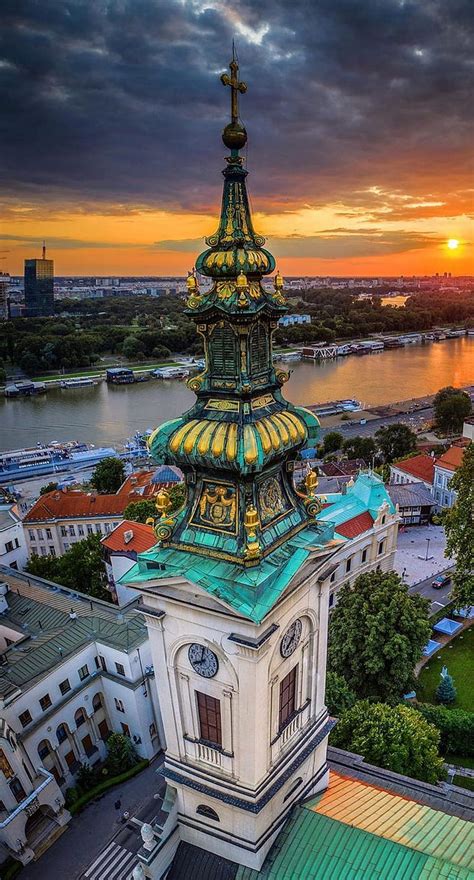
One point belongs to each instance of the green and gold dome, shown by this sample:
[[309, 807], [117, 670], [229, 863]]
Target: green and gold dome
[[238, 444]]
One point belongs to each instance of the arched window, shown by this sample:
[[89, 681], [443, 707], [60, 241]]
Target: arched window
[[80, 717], [61, 733], [97, 702], [208, 812], [223, 345], [259, 349], [44, 749]]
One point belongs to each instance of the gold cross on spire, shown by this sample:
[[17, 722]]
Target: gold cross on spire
[[235, 86]]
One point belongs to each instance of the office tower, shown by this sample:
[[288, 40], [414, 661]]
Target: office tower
[[39, 286]]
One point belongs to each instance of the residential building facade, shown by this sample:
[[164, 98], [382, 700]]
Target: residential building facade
[[418, 468], [73, 669], [121, 549], [13, 550], [444, 469], [62, 517]]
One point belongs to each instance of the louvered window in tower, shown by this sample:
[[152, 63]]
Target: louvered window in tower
[[224, 352], [259, 349]]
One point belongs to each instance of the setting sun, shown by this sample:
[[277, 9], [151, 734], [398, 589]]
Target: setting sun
[[453, 243]]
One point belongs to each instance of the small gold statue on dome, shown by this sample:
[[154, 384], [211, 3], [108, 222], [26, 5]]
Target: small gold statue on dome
[[194, 298], [251, 524], [163, 502], [311, 482], [278, 283], [242, 286]]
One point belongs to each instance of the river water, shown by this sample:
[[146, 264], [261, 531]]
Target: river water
[[108, 415]]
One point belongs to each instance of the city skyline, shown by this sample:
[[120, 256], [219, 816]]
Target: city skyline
[[359, 140]]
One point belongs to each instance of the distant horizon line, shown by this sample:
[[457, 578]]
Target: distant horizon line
[[449, 275]]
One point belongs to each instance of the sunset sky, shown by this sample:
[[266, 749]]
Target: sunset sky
[[358, 112]]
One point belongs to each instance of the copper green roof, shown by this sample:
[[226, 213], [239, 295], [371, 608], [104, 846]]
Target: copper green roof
[[251, 592], [355, 831], [254, 591], [40, 611]]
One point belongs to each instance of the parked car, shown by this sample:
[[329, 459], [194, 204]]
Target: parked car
[[441, 581]]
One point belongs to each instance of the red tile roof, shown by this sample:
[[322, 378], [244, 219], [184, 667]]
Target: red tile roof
[[420, 466], [355, 526], [130, 536], [137, 482], [452, 458], [63, 504], [342, 468]]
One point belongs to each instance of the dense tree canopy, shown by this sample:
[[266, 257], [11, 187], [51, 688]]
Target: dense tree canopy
[[108, 476], [376, 635], [395, 737], [339, 696], [459, 527], [81, 568], [360, 447], [140, 511], [150, 326], [395, 441], [332, 442], [451, 406]]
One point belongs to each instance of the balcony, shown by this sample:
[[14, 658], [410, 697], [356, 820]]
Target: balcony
[[208, 754]]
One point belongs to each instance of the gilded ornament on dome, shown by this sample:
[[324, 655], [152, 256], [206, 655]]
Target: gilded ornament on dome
[[270, 499], [282, 376], [264, 400], [224, 289], [195, 383], [217, 507], [223, 405]]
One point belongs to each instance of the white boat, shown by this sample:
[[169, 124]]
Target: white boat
[[470, 332], [287, 356], [453, 334], [78, 382], [170, 373]]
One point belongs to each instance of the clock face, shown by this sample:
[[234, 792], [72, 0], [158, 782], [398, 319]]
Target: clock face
[[291, 638], [203, 661]]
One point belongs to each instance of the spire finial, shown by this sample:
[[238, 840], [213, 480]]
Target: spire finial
[[235, 86], [43, 252], [234, 134]]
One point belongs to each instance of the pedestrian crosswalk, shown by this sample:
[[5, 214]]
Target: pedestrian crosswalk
[[114, 863]]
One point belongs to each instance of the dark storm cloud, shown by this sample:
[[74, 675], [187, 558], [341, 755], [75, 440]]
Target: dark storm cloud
[[344, 243], [119, 101]]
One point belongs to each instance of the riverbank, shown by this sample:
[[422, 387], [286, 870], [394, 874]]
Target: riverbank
[[107, 415], [402, 408]]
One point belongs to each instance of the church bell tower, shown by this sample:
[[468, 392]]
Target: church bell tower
[[233, 592]]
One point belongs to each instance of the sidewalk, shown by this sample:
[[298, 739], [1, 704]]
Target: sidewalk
[[88, 832], [413, 544]]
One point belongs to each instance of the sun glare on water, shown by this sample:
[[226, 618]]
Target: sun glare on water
[[453, 243]]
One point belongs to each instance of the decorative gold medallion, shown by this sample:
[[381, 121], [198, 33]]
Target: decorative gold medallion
[[270, 499], [217, 507]]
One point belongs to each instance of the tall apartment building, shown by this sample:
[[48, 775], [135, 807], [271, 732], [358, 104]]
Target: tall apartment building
[[39, 286]]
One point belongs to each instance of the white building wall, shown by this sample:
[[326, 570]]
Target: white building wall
[[55, 537], [443, 495], [13, 550]]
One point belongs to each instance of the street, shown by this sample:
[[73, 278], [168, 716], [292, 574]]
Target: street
[[99, 827]]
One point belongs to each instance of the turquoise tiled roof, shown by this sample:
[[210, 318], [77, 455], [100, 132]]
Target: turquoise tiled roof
[[249, 591], [253, 591]]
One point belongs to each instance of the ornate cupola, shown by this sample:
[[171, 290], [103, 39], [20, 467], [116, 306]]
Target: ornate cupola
[[237, 445]]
